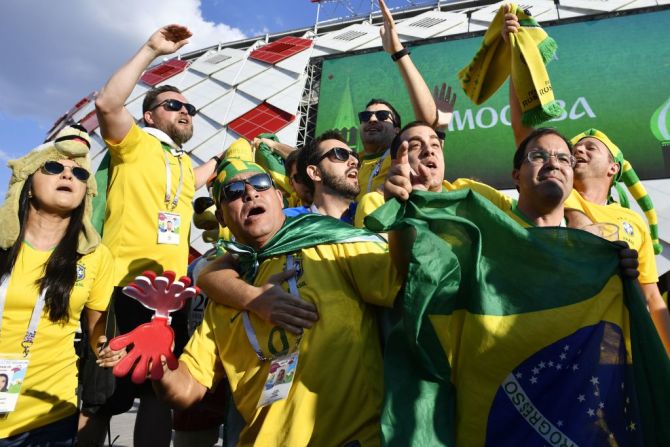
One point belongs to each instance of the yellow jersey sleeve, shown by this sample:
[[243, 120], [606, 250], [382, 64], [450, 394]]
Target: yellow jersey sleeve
[[124, 149], [103, 282], [368, 203]]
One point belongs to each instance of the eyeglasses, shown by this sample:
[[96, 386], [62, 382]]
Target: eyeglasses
[[541, 157], [174, 105], [234, 190], [339, 154], [55, 168], [381, 115]]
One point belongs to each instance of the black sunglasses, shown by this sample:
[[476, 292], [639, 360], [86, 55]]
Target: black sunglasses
[[174, 105], [55, 168], [234, 190], [339, 153], [381, 115]]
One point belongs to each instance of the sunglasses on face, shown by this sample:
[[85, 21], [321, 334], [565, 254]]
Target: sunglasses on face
[[338, 154], [381, 115], [55, 168], [234, 190], [174, 105]]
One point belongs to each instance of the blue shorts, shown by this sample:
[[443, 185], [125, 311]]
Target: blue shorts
[[61, 433]]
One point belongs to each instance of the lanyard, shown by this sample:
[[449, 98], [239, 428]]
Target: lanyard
[[29, 338], [376, 169], [249, 329], [168, 182]]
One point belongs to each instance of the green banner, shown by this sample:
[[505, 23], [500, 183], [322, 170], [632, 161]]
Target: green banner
[[612, 74]]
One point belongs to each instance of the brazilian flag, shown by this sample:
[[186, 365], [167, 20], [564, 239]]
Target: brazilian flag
[[516, 336]]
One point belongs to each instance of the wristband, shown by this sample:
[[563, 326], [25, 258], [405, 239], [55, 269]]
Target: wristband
[[217, 158], [397, 55]]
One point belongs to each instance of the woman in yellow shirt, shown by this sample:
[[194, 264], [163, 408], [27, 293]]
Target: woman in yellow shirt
[[52, 268]]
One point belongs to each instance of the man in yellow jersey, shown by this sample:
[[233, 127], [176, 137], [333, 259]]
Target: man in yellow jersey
[[334, 394], [600, 166], [149, 205]]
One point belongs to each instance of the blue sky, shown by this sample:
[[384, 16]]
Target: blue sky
[[59, 55]]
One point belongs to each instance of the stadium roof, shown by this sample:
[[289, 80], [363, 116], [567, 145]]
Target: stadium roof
[[265, 83]]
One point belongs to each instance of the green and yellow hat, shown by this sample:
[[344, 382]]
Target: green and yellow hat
[[628, 176], [229, 168]]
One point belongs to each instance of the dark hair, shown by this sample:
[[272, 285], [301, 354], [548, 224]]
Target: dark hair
[[535, 134], [309, 155], [396, 116], [150, 97], [60, 271], [397, 141], [291, 160], [4, 387]]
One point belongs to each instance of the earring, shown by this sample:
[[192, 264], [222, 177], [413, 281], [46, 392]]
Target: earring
[[30, 194]]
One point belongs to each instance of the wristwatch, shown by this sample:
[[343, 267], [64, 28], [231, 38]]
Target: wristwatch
[[397, 55]]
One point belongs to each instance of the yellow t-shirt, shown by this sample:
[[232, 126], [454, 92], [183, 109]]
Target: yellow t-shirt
[[337, 390], [372, 172], [372, 201], [632, 229], [49, 390], [135, 196]]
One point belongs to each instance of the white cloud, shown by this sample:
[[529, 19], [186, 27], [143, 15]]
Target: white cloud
[[4, 156], [55, 53]]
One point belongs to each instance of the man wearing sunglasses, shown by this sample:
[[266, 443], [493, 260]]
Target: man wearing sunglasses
[[379, 124], [335, 392], [329, 167], [152, 182]]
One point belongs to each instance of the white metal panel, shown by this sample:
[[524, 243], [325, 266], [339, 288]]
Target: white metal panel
[[376, 42], [429, 24], [461, 28], [85, 110], [135, 107], [297, 62], [205, 92], [593, 5], [203, 129], [319, 51], [240, 71], [268, 83], [348, 38], [289, 134], [289, 99], [139, 90], [213, 61], [229, 107], [184, 80], [217, 143]]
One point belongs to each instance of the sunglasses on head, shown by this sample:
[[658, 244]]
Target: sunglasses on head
[[56, 167], [339, 154], [234, 190], [174, 105], [381, 115]]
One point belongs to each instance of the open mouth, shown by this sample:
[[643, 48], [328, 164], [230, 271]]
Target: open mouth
[[183, 121], [64, 188], [254, 212], [353, 174]]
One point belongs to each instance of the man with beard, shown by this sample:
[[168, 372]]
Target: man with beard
[[152, 182], [379, 124], [329, 167]]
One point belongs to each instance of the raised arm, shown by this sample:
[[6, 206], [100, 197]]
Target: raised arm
[[223, 284], [511, 26], [115, 121], [419, 93], [275, 146]]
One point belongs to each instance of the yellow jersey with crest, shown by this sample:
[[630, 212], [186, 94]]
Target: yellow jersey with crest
[[337, 389], [49, 390]]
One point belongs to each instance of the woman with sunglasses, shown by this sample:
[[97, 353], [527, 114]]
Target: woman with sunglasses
[[52, 269]]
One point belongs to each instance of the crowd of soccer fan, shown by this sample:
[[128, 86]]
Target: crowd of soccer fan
[[284, 345]]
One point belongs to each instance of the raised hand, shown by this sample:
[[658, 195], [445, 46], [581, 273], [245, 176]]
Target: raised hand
[[445, 102], [161, 293], [510, 23], [389, 35], [168, 39], [151, 342]]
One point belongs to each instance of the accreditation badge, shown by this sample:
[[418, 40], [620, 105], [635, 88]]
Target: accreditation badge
[[280, 379], [169, 228], [13, 368]]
